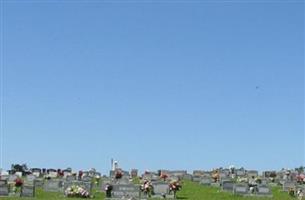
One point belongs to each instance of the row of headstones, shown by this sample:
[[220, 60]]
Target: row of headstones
[[160, 190], [244, 189], [60, 185], [27, 190]]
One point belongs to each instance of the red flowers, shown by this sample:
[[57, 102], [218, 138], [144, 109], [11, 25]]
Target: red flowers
[[118, 174], [18, 182], [163, 176]]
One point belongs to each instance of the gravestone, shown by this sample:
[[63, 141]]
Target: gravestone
[[4, 188], [252, 173], [188, 177], [240, 172], [70, 178], [134, 173], [227, 186], [87, 178], [198, 173], [206, 181], [263, 190], [28, 191], [39, 182], [53, 185], [125, 191], [161, 190], [12, 178], [241, 189], [30, 180], [288, 185], [122, 181], [197, 178]]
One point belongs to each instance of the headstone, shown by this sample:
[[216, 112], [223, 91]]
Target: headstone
[[241, 189], [134, 173], [288, 185], [188, 177], [227, 186], [161, 190], [12, 178], [39, 182], [53, 185], [197, 178], [28, 191], [263, 190], [198, 173], [18, 174], [70, 178], [87, 178], [126, 191], [30, 178], [4, 188], [206, 181], [240, 172], [251, 173]]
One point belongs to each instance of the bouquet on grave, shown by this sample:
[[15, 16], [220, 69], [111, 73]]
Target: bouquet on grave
[[118, 174], [77, 191], [108, 190], [147, 188], [242, 180], [175, 186], [164, 176], [18, 182]]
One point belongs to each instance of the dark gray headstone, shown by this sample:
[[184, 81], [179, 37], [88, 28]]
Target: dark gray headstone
[[126, 191], [53, 185], [87, 178], [263, 190], [227, 186], [206, 181], [4, 189], [70, 178], [241, 189]]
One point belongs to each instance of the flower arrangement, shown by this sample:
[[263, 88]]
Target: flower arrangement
[[77, 191], [18, 182], [118, 174], [147, 188], [242, 180], [291, 192], [108, 189], [164, 176], [174, 187]]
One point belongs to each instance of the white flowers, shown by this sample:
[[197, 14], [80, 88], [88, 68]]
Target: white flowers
[[77, 191]]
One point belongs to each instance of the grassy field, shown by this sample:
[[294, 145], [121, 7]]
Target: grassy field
[[191, 191]]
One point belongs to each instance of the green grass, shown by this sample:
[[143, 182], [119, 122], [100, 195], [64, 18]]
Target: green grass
[[194, 191], [190, 190]]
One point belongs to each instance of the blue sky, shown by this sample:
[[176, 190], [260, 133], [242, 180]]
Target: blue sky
[[172, 85]]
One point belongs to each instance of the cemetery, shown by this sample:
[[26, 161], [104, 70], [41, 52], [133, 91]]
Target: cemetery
[[21, 183]]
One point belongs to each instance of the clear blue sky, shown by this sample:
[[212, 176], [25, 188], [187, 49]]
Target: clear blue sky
[[171, 85]]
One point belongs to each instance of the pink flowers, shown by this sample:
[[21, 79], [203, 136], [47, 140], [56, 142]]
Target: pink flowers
[[175, 186], [163, 176]]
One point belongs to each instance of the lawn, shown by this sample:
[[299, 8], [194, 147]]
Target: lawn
[[191, 191]]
